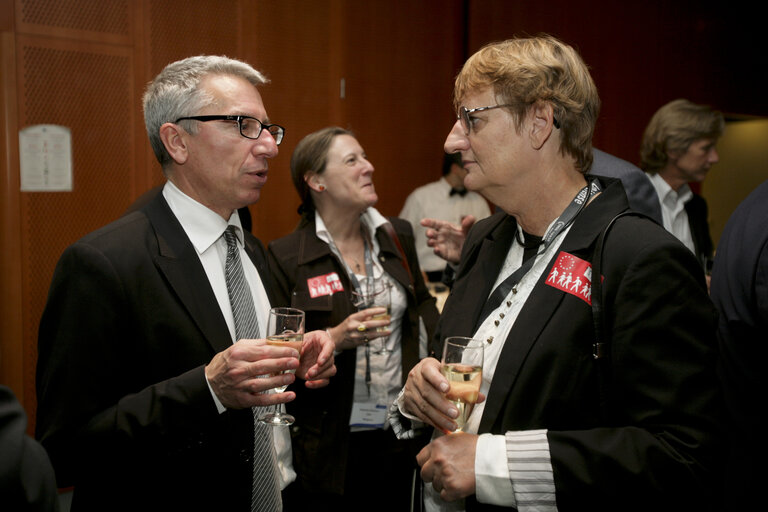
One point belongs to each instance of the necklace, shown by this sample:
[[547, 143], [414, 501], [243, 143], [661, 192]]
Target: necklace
[[352, 256]]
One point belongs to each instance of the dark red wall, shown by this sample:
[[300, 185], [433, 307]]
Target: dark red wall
[[643, 54]]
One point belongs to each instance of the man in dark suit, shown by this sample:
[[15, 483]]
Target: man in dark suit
[[678, 148], [740, 293], [144, 398], [627, 424]]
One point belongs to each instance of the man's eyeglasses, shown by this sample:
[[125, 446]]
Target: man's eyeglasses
[[250, 127], [466, 121]]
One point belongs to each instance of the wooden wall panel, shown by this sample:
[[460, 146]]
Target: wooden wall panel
[[88, 88], [302, 55], [175, 29], [11, 332], [105, 21], [402, 58], [397, 60]]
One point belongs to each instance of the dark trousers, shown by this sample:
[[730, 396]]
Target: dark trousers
[[379, 477]]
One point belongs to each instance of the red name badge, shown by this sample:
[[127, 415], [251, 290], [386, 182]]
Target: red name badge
[[327, 284], [572, 275]]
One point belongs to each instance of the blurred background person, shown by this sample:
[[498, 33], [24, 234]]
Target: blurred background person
[[740, 293], [445, 199], [345, 454], [640, 192], [679, 147]]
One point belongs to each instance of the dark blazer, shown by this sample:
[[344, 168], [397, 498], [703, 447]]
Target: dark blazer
[[123, 404], [653, 445], [321, 433], [698, 215], [740, 293]]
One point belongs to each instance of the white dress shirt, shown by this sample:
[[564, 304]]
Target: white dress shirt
[[204, 228], [673, 212]]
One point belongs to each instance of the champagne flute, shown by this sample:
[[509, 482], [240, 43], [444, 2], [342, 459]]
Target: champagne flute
[[377, 293], [285, 328], [462, 365]]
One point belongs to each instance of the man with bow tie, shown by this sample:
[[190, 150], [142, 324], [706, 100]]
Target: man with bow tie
[[445, 199]]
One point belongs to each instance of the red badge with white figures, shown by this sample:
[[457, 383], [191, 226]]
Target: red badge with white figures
[[572, 275], [327, 284]]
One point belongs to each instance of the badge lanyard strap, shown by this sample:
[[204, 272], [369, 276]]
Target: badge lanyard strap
[[358, 288], [369, 285], [563, 221]]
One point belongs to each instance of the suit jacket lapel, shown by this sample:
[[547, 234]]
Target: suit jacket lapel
[[484, 255], [178, 262], [544, 300]]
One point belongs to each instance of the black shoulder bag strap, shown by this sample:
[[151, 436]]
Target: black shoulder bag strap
[[602, 342], [391, 232]]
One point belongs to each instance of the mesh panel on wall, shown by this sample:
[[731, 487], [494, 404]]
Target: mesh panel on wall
[[106, 16], [179, 29], [89, 90], [304, 66]]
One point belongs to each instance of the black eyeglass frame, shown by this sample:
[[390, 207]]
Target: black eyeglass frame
[[464, 112], [278, 135]]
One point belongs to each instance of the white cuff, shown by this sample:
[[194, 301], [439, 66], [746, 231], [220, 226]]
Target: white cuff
[[219, 406], [492, 483]]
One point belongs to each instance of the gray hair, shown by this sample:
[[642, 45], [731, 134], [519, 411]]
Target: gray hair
[[175, 93]]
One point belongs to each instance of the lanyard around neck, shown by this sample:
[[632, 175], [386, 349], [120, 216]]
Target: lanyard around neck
[[561, 223]]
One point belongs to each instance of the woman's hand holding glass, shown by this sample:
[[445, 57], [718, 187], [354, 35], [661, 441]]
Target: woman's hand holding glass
[[427, 396], [317, 364], [462, 366], [360, 328], [375, 294]]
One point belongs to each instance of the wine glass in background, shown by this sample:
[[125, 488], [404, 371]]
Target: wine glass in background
[[462, 365], [285, 328], [376, 293]]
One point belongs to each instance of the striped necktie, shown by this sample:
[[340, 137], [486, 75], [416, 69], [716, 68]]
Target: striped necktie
[[265, 490]]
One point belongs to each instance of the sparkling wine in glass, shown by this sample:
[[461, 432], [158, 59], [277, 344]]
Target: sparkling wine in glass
[[285, 328], [462, 365]]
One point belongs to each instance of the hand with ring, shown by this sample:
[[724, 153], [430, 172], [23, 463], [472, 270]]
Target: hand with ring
[[359, 328]]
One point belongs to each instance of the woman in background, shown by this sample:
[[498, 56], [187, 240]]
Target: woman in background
[[344, 452]]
